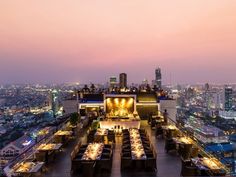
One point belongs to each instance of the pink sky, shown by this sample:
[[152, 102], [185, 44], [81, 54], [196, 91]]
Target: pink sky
[[90, 40]]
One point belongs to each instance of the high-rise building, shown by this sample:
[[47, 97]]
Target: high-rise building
[[228, 101], [123, 80], [158, 77], [113, 81], [207, 95], [54, 102], [207, 87]]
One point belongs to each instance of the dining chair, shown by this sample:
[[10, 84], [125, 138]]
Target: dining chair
[[150, 164]]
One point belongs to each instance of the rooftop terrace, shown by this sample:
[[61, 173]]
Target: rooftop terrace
[[168, 165]]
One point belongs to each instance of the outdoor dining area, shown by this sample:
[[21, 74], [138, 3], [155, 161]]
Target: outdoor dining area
[[137, 152], [100, 152], [105, 136], [206, 166], [89, 158], [195, 161], [62, 136], [155, 120], [46, 152]]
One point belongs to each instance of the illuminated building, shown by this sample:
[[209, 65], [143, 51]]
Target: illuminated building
[[54, 102], [120, 112], [228, 101], [120, 105], [145, 103], [15, 148], [113, 81], [206, 133], [123, 80], [158, 78], [228, 114]]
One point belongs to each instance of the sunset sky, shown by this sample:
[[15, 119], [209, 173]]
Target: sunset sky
[[44, 41]]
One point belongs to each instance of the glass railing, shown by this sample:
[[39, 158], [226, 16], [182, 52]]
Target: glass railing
[[217, 157], [28, 154], [223, 161]]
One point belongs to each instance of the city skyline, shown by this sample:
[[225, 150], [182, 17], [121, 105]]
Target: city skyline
[[81, 41], [117, 88]]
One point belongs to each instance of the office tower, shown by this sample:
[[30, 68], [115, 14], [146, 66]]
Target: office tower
[[123, 80], [217, 99], [228, 101], [207, 87], [158, 77], [207, 96], [113, 81], [54, 102]]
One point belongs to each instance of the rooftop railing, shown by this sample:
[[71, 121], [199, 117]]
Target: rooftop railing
[[28, 154], [230, 170]]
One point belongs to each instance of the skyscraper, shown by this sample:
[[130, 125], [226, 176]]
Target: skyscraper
[[158, 77], [113, 81], [207, 94], [207, 87], [123, 80], [228, 101], [54, 102]]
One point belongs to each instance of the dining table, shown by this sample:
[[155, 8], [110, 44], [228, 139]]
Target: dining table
[[183, 140], [169, 127], [28, 167], [209, 165], [137, 149], [63, 133], [49, 147], [93, 151], [62, 136]]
